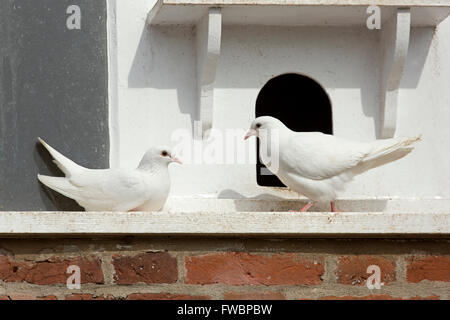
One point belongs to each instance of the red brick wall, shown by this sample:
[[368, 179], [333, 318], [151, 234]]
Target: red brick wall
[[165, 268]]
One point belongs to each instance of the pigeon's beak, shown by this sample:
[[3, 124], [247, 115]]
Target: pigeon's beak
[[251, 132], [175, 159]]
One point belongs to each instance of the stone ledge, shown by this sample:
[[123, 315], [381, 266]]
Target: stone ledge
[[295, 12], [409, 3], [226, 224]]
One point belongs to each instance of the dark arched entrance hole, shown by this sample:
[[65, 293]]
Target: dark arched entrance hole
[[300, 103]]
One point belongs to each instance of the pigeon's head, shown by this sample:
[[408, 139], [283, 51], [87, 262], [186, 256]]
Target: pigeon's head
[[158, 156], [263, 123]]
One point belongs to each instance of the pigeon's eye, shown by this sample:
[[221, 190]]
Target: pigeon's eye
[[164, 153], [258, 125]]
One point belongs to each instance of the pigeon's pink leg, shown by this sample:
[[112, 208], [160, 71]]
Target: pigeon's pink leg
[[333, 207], [307, 206]]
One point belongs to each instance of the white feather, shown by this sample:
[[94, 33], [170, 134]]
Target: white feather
[[142, 189], [318, 165]]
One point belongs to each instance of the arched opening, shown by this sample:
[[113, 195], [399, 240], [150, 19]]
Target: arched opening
[[300, 103]]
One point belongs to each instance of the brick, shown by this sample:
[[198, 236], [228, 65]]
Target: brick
[[352, 270], [88, 296], [424, 298], [50, 271], [148, 267], [164, 296], [238, 268], [51, 297], [253, 296], [432, 268]]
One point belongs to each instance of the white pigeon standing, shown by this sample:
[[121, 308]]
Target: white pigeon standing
[[318, 165], [142, 189]]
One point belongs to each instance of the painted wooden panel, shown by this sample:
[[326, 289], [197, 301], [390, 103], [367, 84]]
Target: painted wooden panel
[[53, 84]]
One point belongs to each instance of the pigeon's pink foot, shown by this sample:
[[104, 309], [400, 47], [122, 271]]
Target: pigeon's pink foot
[[304, 208], [333, 207], [307, 206]]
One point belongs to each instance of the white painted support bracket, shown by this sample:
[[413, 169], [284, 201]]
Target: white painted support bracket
[[395, 42], [208, 34]]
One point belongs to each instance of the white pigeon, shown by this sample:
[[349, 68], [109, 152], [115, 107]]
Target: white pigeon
[[318, 165], [142, 189]]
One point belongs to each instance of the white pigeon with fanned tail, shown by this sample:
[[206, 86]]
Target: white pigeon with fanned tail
[[318, 165], [142, 189]]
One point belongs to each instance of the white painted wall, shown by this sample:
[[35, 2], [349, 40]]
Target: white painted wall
[[154, 93]]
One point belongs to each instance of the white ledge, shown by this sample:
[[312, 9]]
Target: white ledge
[[296, 12], [283, 224], [423, 3]]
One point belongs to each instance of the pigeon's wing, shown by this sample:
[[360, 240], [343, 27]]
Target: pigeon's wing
[[318, 156], [118, 190]]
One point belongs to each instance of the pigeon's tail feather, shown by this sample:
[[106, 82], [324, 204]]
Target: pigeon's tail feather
[[65, 164], [385, 151], [60, 184]]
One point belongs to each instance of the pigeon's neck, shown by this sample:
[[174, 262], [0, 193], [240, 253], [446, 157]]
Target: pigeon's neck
[[276, 133], [152, 167], [273, 141]]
